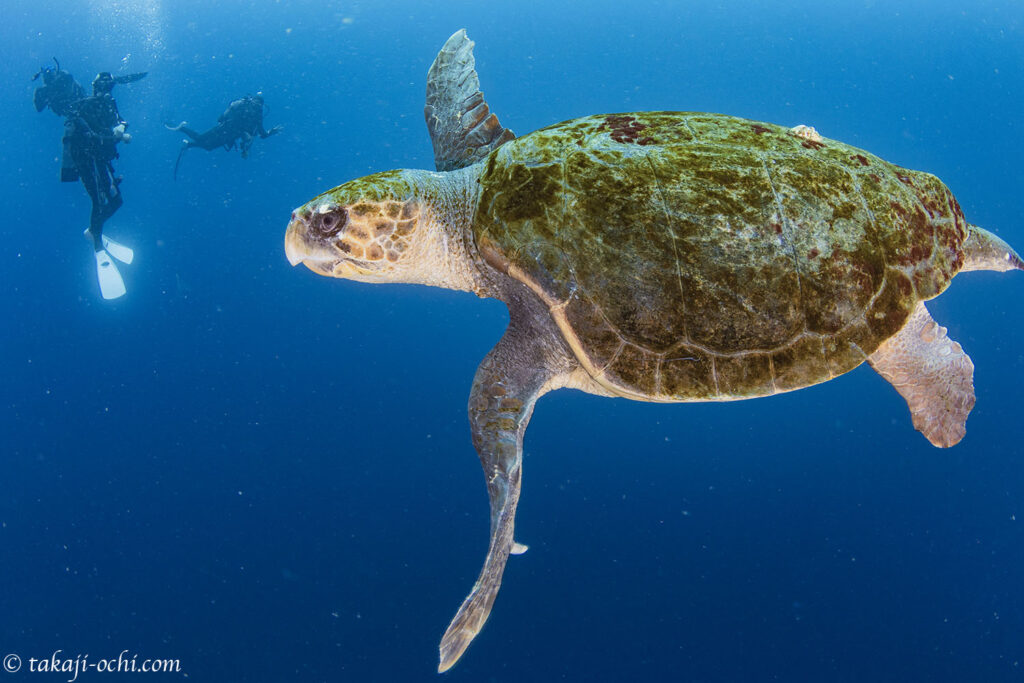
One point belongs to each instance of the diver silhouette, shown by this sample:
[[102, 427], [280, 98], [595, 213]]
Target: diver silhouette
[[93, 127], [240, 123]]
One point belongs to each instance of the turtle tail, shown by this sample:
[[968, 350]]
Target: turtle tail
[[984, 251]]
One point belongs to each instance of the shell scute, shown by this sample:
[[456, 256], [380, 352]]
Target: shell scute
[[588, 323], [688, 374], [891, 308], [799, 364], [745, 376], [848, 348], [636, 369]]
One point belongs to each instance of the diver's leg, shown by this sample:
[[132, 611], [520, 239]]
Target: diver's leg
[[109, 196], [245, 144], [183, 128], [87, 172], [96, 226], [110, 186], [212, 139], [106, 198]]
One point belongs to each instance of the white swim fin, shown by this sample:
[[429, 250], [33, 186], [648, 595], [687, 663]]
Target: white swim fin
[[117, 250], [111, 284]]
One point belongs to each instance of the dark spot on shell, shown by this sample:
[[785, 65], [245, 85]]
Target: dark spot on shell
[[861, 159], [875, 177], [759, 129], [957, 211], [898, 208], [905, 179], [624, 129], [905, 286], [777, 227], [813, 253], [812, 144]]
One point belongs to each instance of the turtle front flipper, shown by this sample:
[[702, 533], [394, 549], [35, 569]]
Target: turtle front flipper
[[524, 365], [462, 127], [933, 374]]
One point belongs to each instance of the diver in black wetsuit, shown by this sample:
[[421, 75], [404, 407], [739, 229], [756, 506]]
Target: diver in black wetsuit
[[240, 123], [60, 93], [91, 133], [59, 90], [92, 128]]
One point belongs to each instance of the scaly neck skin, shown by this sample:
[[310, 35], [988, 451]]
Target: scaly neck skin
[[445, 253]]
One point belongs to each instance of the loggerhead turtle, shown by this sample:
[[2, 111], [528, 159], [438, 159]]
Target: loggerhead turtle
[[659, 256]]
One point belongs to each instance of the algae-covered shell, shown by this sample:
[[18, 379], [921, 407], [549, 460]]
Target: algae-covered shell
[[691, 257]]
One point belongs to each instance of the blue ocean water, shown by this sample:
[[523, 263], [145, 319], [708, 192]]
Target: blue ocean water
[[268, 475]]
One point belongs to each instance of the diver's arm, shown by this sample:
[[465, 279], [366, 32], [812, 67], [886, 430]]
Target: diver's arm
[[117, 130], [40, 98], [267, 133], [118, 119], [115, 134], [130, 78], [119, 133]]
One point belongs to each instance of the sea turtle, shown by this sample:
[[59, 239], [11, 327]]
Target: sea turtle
[[659, 256]]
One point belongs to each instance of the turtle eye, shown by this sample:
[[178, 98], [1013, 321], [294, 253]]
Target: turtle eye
[[329, 224]]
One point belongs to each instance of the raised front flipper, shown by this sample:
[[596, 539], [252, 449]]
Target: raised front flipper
[[932, 373], [461, 125], [521, 368]]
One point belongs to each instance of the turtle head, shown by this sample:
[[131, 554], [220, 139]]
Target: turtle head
[[370, 229]]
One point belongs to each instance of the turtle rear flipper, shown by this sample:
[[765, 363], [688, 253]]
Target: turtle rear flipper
[[933, 374], [462, 128]]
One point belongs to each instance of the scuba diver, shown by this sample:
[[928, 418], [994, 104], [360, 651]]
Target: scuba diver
[[240, 123], [59, 90], [92, 129]]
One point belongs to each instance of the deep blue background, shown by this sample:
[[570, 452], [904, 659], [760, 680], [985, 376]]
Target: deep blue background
[[268, 474]]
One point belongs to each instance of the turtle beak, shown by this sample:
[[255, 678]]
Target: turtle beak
[[299, 247], [293, 242]]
